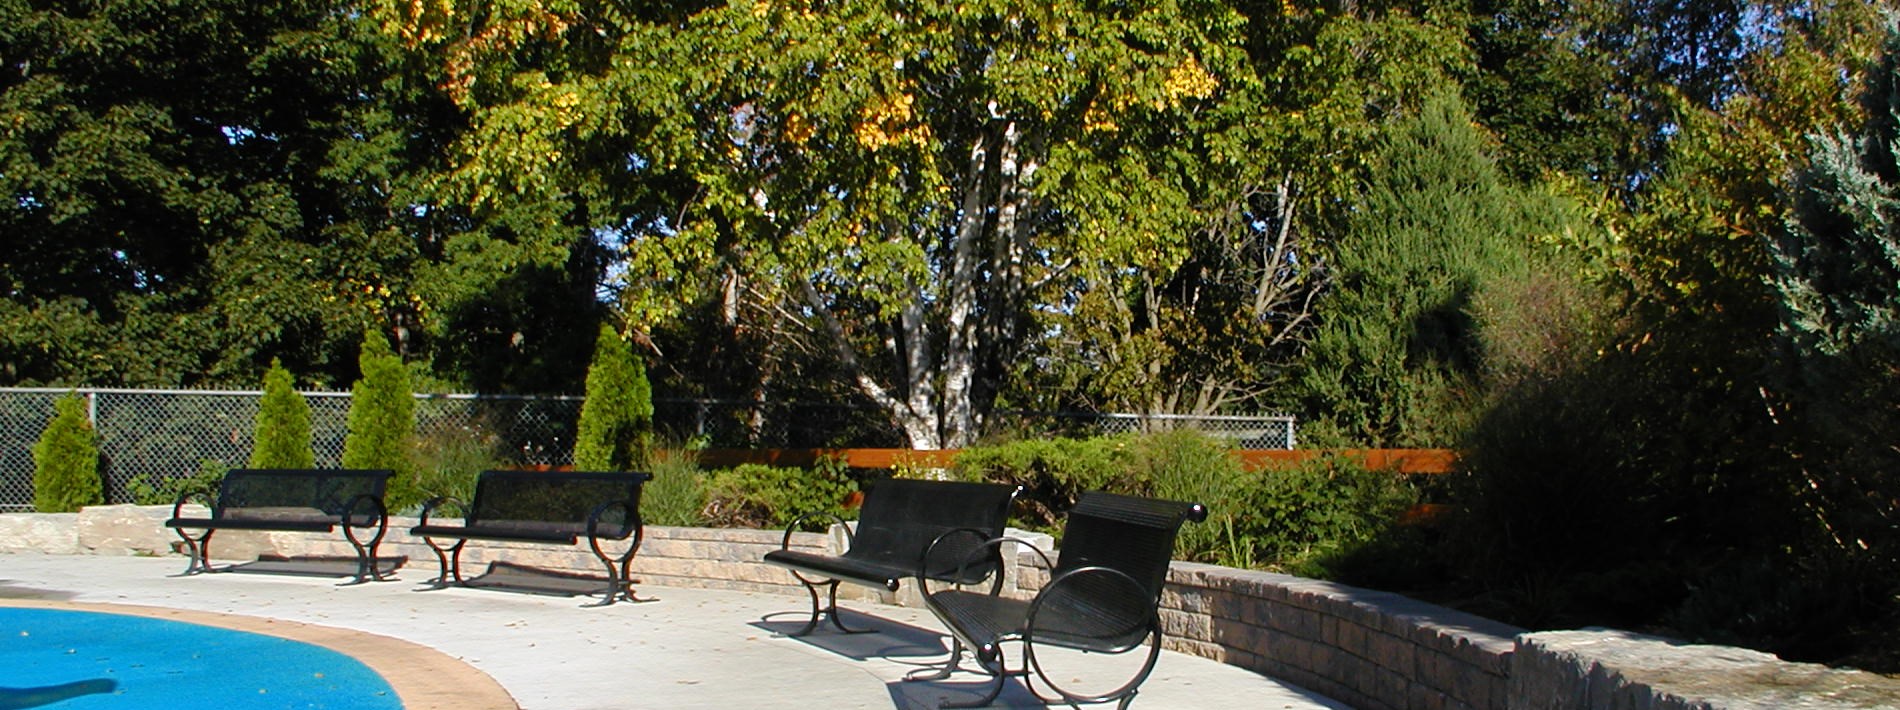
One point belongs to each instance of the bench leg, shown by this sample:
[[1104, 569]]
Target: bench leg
[[448, 568], [619, 570], [999, 672], [366, 568], [829, 610], [950, 666], [198, 548]]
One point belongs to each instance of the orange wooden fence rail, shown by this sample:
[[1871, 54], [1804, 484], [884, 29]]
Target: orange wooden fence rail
[[1422, 461]]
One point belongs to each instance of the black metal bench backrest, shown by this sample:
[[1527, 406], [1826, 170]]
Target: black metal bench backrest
[[1134, 536], [901, 517], [299, 494], [556, 501]]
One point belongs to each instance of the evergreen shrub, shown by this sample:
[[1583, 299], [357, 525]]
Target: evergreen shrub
[[66, 461], [382, 422], [616, 423], [282, 438]]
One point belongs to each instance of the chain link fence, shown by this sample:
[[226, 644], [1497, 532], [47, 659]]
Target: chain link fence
[[1265, 431], [158, 435], [153, 436]]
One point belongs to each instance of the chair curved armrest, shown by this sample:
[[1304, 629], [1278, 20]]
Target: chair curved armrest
[[1114, 633], [976, 553], [1140, 607], [429, 506], [205, 497], [785, 543], [374, 512], [630, 523]]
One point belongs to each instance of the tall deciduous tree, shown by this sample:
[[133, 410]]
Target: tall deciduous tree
[[616, 424], [195, 187], [906, 184], [281, 438]]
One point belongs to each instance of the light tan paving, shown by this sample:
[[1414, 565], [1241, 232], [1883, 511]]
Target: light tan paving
[[691, 648]]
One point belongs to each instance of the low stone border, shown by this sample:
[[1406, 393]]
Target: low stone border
[[1373, 650]]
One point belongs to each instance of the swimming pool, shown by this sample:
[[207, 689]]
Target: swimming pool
[[67, 659]]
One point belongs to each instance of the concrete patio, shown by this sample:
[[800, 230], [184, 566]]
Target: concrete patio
[[691, 648]]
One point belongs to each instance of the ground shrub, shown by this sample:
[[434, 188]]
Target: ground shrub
[[1313, 518], [158, 490], [1304, 517], [760, 496], [66, 461]]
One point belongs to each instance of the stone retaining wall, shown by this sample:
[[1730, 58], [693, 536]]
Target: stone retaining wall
[[1373, 650]]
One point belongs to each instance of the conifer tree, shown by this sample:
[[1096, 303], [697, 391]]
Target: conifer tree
[[616, 425], [382, 421], [1395, 361], [66, 461], [1838, 280], [282, 435]]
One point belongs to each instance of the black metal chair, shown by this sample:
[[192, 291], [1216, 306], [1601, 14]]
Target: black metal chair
[[1102, 596], [897, 524]]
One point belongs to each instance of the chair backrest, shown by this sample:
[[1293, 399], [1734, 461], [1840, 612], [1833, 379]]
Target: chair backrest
[[556, 501], [1133, 535], [323, 493], [901, 517]]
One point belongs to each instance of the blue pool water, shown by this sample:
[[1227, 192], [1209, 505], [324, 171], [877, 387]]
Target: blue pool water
[[72, 660]]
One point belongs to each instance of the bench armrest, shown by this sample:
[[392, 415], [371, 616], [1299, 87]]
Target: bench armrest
[[1110, 597], [785, 543], [630, 524], [429, 507], [1098, 610], [204, 497], [990, 546], [367, 508]]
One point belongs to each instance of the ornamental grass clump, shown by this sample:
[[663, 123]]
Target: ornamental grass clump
[[66, 461]]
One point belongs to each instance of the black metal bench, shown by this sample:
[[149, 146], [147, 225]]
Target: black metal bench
[[1102, 596], [290, 500], [553, 507], [897, 523]]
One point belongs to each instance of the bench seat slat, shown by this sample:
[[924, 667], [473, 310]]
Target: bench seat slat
[[483, 532], [279, 524]]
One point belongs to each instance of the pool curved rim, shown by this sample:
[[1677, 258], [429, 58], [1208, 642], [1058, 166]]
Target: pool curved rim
[[423, 677]]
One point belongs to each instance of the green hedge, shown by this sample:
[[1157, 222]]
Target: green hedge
[[1310, 518]]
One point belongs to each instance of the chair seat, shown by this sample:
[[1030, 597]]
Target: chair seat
[[848, 568], [524, 533]]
